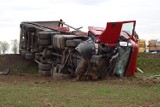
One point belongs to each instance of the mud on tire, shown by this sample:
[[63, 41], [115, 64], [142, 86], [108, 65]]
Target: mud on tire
[[29, 56], [44, 67], [60, 76], [44, 73]]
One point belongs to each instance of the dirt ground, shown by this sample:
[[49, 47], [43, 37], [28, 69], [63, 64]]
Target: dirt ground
[[21, 79], [16, 64], [36, 79]]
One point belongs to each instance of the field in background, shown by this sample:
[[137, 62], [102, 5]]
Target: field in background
[[34, 91]]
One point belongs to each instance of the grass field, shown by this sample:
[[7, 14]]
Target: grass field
[[149, 63], [34, 91]]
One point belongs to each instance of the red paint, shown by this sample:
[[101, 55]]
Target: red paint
[[96, 31], [111, 33], [61, 28]]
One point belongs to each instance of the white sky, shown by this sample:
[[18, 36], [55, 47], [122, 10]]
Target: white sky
[[80, 13]]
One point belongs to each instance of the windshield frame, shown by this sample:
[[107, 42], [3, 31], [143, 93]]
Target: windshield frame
[[131, 28]]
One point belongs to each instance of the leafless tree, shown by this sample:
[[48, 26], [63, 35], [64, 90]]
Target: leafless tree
[[4, 46], [15, 46]]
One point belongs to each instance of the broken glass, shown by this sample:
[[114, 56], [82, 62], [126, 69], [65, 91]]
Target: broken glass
[[122, 60]]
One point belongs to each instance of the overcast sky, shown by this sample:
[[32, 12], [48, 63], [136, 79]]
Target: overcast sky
[[80, 13]]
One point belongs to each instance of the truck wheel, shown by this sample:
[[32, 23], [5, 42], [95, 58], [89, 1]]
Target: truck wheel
[[31, 29], [45, 67], [23, 53], [44, 35], [43, 60], [73, 43], [29, 56], [44, 42], [60, 76], [57, 69], [44, 73]]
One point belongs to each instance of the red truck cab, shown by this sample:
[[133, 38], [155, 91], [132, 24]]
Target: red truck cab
[[111, 36]]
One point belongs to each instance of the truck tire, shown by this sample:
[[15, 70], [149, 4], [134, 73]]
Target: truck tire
[[44, 73], [31, 29], [60, 76], [57, 69], [44, 35], [44, 42], [44, 67], [29, 56], [23, 52], [43, 60], [73, 43]]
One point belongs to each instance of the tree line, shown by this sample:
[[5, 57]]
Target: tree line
[[4, 46]]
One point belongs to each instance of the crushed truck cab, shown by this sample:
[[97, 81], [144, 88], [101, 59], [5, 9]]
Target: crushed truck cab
[[119, 34], [100, 52]]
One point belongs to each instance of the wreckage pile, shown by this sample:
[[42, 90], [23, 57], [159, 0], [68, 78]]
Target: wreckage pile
[[96, 54]]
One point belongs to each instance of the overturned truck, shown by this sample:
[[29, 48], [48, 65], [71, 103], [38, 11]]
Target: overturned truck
[[61, 52]]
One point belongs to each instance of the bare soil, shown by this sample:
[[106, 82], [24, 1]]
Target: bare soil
[[16, 63]]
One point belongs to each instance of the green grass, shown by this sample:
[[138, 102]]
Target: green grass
[[27, 69], [77, 94], [150, 65], [19, 91]]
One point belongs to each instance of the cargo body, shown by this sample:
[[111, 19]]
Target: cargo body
[[101, 52]]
